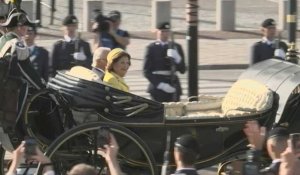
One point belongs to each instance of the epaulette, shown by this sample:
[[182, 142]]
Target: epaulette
[[7, 46]]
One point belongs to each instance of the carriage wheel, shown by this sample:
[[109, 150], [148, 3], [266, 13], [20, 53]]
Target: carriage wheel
[[78, 145], [43, 117], [2, 160]]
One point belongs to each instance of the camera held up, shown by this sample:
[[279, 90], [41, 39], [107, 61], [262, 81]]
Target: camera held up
[[102, 20]]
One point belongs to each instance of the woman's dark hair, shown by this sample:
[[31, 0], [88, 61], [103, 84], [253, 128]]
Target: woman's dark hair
[[110, 67]]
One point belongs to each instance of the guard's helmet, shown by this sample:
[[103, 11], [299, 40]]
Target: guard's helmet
[[17, 18]]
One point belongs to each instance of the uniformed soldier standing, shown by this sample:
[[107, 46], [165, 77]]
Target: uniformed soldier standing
[[39, 56], [14, 50], [159, 58], [269, 46], [72, 51]]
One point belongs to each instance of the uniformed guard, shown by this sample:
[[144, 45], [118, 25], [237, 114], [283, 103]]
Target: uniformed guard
[[159, 58], [14, 50], [72, 50], [39, 56], [269, 46], [186, 152]]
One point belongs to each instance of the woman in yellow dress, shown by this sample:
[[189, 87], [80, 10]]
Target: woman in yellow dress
[[118, 63]]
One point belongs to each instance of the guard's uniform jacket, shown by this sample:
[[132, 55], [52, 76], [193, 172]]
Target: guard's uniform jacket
[[62, 55], [261, 51], [157, 69], [39, 58], [16, 53]]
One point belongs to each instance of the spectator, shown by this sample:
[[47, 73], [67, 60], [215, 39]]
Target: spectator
[[290, 164], [268, 47], [186, 150], [110, 152], [18, 156], [100, 61], [113, 36], [72, 51], [82, 169], [118, 62], [39, 56], [276, 143], [160, 65]]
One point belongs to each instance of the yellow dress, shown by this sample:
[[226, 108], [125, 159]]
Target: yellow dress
[[115, 81]]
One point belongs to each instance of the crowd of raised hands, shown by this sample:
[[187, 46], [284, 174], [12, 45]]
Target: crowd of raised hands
[[109, 152], [289, 158]]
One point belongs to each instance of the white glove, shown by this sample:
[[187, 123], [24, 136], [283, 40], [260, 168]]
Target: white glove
[[166, 87], [79, 56], [279, 53], [174, 54], [21, 50]]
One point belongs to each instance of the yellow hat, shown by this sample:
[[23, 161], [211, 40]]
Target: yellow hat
[[114, 54]]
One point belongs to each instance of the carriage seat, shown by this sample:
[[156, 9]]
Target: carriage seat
[[246, 97]]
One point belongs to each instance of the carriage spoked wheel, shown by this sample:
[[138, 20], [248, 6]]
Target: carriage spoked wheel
[[2, 160], [44, 117], [79, 145]]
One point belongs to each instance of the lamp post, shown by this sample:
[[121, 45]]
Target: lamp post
[[192, 46]]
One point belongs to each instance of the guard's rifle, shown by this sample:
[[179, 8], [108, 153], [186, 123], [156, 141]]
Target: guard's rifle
[[171, 45], [76, 48], [165, 169]]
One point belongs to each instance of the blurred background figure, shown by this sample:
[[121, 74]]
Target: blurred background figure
[[100, 61], [39, 56], [108, 32], [118, 63], [269, 46], [163, 58], [72, 50]]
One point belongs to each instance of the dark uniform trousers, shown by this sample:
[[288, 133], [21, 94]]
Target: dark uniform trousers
[[62, 55], [261, 51], [39, 58], [156, 60]]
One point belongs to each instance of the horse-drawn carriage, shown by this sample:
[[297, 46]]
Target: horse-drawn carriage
[[267, 92]]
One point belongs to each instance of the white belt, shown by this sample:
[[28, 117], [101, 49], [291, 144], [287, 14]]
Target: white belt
[[163, 72]]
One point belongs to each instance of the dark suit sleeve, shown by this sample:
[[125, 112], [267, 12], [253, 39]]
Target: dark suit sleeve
[[181, 66], [148, 66], [254, 54], [88, 53], [45, 73], [53, 63]]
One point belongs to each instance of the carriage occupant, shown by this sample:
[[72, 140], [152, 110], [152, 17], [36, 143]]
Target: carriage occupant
[[186, 150], [14, 49], [72, 50], [118, 62], [163, 59], [100, 61]]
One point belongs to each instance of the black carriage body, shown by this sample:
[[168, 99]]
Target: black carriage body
[[221, 137]]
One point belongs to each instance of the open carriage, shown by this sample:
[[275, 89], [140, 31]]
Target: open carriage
[[267, 92]]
